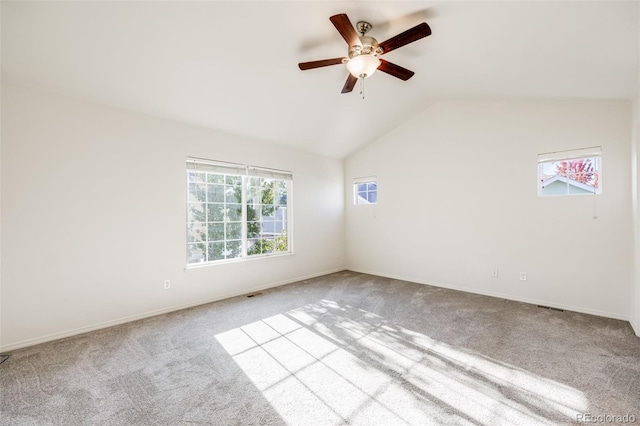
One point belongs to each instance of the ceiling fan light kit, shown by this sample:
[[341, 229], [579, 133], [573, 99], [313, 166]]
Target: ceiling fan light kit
[[362, 60], [363, 66]]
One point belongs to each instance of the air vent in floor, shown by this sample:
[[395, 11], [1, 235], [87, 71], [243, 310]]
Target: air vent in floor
[[550, 308]]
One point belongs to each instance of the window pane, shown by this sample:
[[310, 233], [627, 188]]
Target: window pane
[[216, 231], [196, 253], [253, 229], [197, 192], [233, 180], [268, 209], [267, 192], [282, 241], [216, 251], [193, 176], [253, 247], [234, 249], [372, 197], [372, 186], [268, 245], [253, 195], [281, 213], [268, 227], [262, 246], [196, 213], [215, 178], [280, 192], [215, 212], [234, 212], [234, 230], [196, 232], [233, 194], [252, 213], [215, 193]]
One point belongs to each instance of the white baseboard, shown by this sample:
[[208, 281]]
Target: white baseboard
[[501, 296], [130, 318], [635, 324]]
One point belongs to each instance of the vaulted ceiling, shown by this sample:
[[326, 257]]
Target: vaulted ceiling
[[233, 65]]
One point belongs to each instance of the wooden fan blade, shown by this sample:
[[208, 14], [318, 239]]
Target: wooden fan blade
[[412, 34], [317, 64], [346, 29], [395, 70], [349, 84]]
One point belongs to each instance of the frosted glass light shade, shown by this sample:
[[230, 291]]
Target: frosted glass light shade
[[363, 66]]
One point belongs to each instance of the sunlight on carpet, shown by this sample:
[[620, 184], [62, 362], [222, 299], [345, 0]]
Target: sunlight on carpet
[[316, 364]]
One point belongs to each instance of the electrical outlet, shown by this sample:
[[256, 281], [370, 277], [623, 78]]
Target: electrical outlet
[[523, 276], [494, 273], [167, 284]]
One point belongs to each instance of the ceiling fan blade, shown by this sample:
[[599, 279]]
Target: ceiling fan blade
[[346, 29], [349, 84], [395, 70], [317, 64], [412, 34]]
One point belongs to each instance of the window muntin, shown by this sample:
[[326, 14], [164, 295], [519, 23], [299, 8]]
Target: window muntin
[[365, 191], [576, 172], [236, 211]]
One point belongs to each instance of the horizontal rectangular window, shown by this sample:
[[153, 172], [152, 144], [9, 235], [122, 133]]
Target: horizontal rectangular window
[[236, 211], [575, 172], [365, 191]]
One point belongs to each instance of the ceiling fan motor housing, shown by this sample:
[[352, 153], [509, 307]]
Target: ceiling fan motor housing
[[369, 47]]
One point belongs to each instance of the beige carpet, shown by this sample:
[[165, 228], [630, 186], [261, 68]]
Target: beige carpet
[[346, 348]]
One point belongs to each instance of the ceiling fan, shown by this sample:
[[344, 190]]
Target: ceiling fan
[[362, 58]]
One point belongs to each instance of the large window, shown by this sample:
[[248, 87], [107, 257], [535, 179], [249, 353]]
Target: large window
[[575, 172], [236, 211]]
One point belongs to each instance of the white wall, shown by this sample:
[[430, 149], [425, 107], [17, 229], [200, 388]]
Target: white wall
[[458, 198], [93, 216], [635, 196], [634, 317]]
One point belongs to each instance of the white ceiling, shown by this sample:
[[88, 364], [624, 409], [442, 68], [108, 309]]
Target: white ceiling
[[233, 65]]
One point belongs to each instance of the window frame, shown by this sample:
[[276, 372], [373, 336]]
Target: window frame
[[364, 180], [569, 155], [245, 173]]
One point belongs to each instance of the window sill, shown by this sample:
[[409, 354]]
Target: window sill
[[237, 260], [569, 195]]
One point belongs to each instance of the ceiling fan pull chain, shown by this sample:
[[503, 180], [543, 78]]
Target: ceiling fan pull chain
[[362, 87]]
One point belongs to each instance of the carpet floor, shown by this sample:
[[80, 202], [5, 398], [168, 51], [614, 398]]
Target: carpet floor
[[346, 348]]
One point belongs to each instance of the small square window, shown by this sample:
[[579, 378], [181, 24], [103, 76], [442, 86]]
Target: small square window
[[365, 192], [569, 173]]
